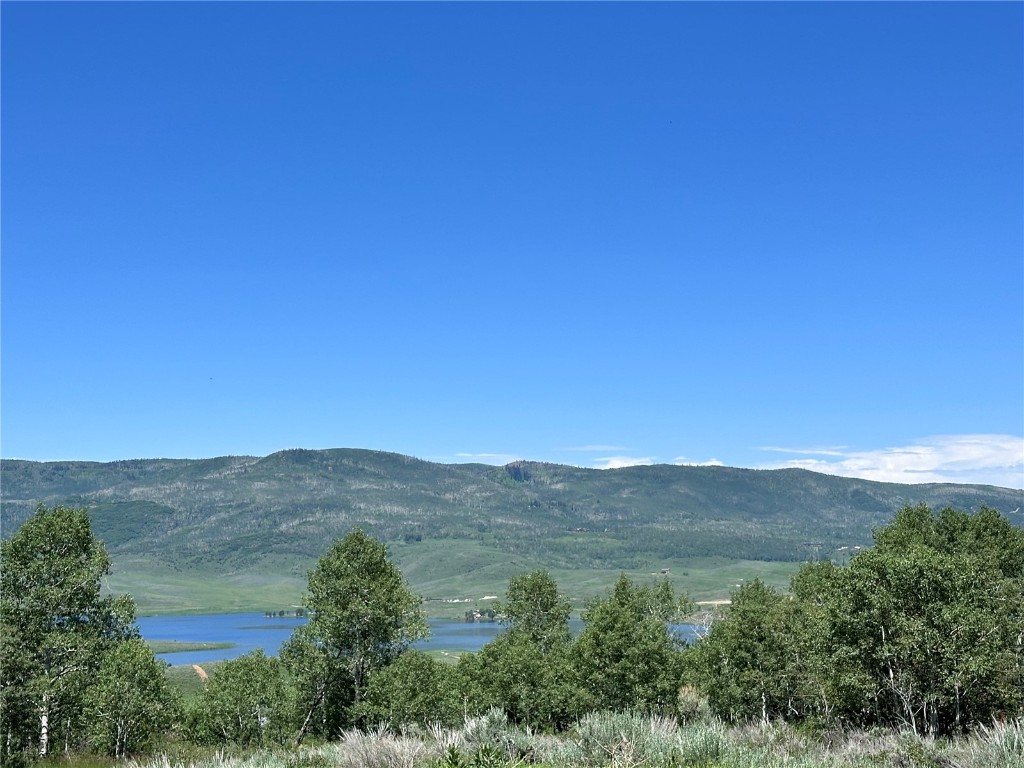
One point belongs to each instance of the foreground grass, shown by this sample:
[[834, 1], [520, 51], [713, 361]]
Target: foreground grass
[[615, 740]]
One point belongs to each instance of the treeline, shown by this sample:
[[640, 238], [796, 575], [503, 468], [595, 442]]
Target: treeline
[[925, 631]]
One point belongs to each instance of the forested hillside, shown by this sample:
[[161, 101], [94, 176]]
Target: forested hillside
[[234, 513]]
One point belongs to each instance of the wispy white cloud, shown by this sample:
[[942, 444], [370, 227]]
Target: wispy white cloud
[[831, 450], [682, 461], [978, 459], [618, 462]]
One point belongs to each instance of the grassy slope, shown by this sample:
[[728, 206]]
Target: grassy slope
[[435, 570], [240, 533], [158, 589]]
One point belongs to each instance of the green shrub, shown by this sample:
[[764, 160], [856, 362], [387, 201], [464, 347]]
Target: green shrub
[[627, 738], [413, 690], [701, 743], [379, 748], [691, 705], [488, 728], [246, 702]]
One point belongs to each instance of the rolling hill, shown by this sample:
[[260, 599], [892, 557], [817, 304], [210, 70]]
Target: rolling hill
[[254, 525]]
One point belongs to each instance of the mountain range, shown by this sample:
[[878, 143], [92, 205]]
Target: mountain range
[[240, 517]]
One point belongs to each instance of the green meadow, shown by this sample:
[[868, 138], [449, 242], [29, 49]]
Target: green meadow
[[438, 570]]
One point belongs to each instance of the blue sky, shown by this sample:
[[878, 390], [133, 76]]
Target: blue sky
[[598, 234]]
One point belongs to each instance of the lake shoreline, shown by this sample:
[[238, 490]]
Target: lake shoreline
[[224, 636], [160, 647], [204, 638], [264, 616]]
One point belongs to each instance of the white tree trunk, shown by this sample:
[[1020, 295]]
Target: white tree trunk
[[44, 726]]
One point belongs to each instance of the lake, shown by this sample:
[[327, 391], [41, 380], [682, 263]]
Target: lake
[[250, 631]]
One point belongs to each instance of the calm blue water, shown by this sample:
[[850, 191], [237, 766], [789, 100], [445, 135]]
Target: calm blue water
[[249, 631]]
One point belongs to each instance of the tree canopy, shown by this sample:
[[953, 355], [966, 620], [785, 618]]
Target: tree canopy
[[130, 702], [362, 616], [925, 630], [627, 657], [56, 626], [534, 609]]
